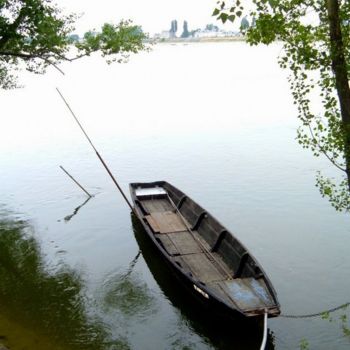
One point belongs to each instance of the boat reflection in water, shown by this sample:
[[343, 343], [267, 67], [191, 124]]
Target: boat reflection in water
[[222, 333]]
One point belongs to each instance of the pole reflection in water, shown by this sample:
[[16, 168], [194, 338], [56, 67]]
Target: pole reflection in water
[[43, 307], [75, 212], [221, 333]]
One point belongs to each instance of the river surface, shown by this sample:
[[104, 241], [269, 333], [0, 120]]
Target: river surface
[[216, 120]]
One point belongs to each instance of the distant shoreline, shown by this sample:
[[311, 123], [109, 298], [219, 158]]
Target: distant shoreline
[[199, 40]]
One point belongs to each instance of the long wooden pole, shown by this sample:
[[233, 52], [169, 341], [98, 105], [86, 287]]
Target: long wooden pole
[[98, 155], [75, 181]]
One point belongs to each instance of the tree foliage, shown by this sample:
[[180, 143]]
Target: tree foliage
[[316, 50], [244, 24], [185, 32], [173, 28], [212, 28], [35, 34]]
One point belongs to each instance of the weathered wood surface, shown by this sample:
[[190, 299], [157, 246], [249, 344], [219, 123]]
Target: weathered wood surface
[[166, 222], [249, 293], [157, 205], [188, 248], [202, 268], [179, 243]]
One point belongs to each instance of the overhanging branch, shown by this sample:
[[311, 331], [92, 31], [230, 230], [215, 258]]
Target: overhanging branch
[[322, 150], [27, 56]]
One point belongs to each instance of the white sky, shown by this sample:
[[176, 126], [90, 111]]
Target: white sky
[[153, 15]]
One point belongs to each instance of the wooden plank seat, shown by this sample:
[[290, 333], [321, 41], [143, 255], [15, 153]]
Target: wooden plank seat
[[200, 267], [179, 243], [165, 222], [157, 205]]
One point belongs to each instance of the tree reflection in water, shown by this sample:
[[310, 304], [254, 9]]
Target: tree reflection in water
[[51, 304], [126, 294]]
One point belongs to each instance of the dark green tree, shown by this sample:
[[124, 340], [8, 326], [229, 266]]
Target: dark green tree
[[185, 33], [212, 28], [244, 23], [35, 34], [193, 32], [316, 49], [173, 28], [74, 37]]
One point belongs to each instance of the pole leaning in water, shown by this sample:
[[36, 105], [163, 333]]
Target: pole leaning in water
[[98, 155], [75, 182]]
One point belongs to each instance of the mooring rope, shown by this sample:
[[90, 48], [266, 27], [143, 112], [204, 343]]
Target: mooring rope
[[343, 306], [263, 343]]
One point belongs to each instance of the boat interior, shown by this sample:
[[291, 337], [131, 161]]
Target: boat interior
[[204, 249]]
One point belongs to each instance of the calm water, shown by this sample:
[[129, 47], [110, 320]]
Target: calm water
[[217, 121]]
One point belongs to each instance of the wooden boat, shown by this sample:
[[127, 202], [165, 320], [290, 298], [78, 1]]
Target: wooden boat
[[216, 329], [214, 266]]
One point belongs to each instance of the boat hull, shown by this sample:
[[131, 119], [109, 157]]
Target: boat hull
[[208, 301]]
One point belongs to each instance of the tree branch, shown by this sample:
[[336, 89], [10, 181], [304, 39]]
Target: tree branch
[[324, 152], [52, 64], [27, 57], [80, 56]]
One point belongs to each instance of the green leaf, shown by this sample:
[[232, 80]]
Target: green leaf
[[216, 12], [223, 17]]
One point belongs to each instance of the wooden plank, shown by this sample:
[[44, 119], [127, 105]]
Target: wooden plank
[[167, 244], [168, 222], [157, 205], [153, 223], [202, 240], [179, 243], [202, 268], [249, 293], [219, 288], [185, 243]]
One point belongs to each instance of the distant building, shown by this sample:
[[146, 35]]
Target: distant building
[[204, 33], [210, 31], [165, 34]]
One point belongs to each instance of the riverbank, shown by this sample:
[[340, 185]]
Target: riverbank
[[201, 40]]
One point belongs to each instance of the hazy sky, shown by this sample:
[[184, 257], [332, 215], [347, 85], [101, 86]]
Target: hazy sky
[[153, 15]]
